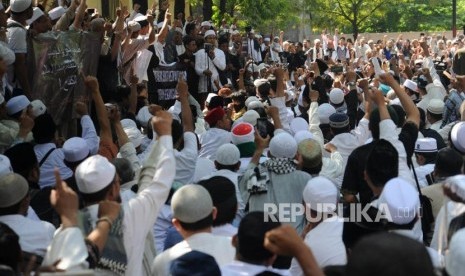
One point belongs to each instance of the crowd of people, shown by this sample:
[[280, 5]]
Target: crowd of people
[[272, 157]]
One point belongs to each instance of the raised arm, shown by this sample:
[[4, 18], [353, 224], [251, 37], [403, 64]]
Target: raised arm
[[77, 24], [102, 116], [186, 114]]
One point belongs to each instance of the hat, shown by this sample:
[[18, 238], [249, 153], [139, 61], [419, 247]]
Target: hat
[[242, 133], [338, 120], [262, 66], [311, 153], [320, 194], [13, 188], [410, 85], [400, 199], [134, 135], [298, 124], [194, 263], [210, 96], [227, 154], [5, 165], [38, 108], [456, 184], [203, 168], [133, 26], [75, 149], [435, 106], [56, 13], [324, 111], [250, 116], [143, 116], [255, 105], [336, 96], [283, 145], [260, 82], [456, 255], [140, 18], [210, 33], [94, 174], [302, 135], [457, 136], [215, 115], [426, 145], [19, 5], [205, 24], [266, 39], [2, 99], [17, 104], [250, 99], [191, 203], [35, 15]]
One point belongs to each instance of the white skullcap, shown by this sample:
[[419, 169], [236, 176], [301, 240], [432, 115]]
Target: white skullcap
[[266, 39], [336, 96], [191, 203], [426, 145], [5, 165], [35, 15], [456, 255], [262, 66], [75, 149], [128, 123], [133, 26], [250, 99], [210, 96], [227, 154], [205, 24], [19, 5], [411, 85], [250, 116], [13, 189], [17, 104], [242, 133], [435, 106], [56, 13], [134, 135], [457, 135], [324, 111], [457, 185], [94, 174], [283, 145], [255, 104], [302, 135], [400, 199], [298, 124], [38, 108], [210, 33], [260, 82], [320, 194], [143, 116], [140, 17]]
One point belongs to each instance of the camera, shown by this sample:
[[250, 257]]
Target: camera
[[208, 47], [337, 69]]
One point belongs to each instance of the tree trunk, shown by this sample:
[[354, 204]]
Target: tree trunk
[[355, 29], [179, 6], [207, 9], [222, 8]]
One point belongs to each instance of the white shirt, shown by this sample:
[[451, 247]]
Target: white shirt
[[160, 227], [436, 126], [34, 236], [254, 54], [211, 140], [325, 241], [204, 62], [245, 269], [217, 246], [54, 160], [227, 230], [16, 37], [333, 167], [186, 159], [141, 212], [422, 172], [454, 209]]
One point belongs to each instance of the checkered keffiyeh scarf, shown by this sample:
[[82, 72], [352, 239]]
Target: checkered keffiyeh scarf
[[280, 165]]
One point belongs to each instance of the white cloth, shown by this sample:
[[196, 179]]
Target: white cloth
[[388, 132], [436, 126], [422, 172], [160, 227], [325, 241], [227, 230], [454, 209], [130, 51], [141, 212], [211, 140], [34, 236], [333, 167], [54, 160], [245, 269], [186, 159], [245, 161], [204, 62], [67, 246], [16, 37], [252, 53], [280, 103], [90, 134], [217, 246]]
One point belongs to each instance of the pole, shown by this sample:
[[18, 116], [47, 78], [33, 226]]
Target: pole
[[454, 18]]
